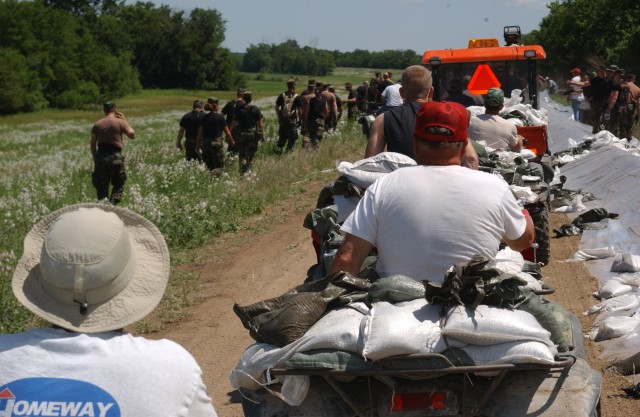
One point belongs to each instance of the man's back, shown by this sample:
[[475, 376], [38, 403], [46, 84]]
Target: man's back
[[425, 219], [497, 132], [102, 374]]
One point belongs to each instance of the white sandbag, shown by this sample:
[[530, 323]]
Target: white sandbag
[[613, 288], [626, 262], [403, 328], [622, 347], [337, 329], [512, 262], [594, 253], [257, 358], [575, 206], [528, 154], [524, 193], [512, 352], [488, 325], [366, 171], [617, 326], [623, 302]]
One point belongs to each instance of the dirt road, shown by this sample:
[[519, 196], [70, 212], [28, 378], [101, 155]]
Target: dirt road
[[247, 267]]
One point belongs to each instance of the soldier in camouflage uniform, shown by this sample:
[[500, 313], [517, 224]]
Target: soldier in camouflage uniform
[[250, 131], [209, 138], [287, 109], [106, 148], [620, 110], [315, 117]]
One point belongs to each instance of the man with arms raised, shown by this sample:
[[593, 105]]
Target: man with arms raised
[[426, 218]]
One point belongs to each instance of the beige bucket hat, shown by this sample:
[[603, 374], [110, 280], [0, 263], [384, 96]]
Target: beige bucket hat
[[92, 268]]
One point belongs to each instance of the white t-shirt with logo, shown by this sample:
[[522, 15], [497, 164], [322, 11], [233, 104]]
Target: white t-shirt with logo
[[424, 219], [52, 372]]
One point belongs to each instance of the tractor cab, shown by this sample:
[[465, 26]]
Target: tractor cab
[[485, 64]]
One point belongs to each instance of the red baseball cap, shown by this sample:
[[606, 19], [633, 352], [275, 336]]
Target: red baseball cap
[[576, 71], [447, 114]]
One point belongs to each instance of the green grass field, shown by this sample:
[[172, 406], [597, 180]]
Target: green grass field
[[47, 165]]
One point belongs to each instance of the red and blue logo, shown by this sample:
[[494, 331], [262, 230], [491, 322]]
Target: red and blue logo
[[55, 397]]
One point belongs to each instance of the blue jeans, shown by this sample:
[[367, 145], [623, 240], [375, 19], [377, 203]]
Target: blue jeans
[[575, 105]]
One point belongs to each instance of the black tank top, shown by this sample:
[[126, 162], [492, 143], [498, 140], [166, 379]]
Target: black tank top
[[399, 126]]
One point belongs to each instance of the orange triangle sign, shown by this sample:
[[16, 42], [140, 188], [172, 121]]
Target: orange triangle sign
[[483, 79]]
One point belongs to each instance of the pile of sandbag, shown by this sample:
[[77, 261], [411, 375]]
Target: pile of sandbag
[[396, 319]]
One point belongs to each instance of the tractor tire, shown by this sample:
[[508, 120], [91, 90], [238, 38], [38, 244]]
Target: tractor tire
[[540, 215]]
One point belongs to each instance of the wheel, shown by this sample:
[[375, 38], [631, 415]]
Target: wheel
[[540, 215]]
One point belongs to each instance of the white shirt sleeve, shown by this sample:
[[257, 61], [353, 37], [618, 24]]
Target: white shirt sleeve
[[362, 222], [514, 221]]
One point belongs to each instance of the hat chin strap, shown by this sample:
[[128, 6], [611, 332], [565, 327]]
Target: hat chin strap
[[78, 290]]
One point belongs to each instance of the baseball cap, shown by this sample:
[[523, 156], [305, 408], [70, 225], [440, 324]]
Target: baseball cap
[[92, 267], [240, 90], [575, 71], [197, 104], [213, 100], [247, 94], [447, 114], [494, 98], [109, 106]]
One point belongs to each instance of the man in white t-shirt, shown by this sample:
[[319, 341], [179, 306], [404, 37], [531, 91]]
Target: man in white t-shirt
[[426, 218], [392, 98], [91, 270], [493, 129]]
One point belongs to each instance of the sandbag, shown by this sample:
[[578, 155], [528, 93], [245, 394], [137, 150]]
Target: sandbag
[[282, 320], [617, 326], [328, 359], [623, 302], [626, 262], [511, 352], [366, 171], [395, 289], [552, 317], [613, 288], [488, 325], [405, 328]]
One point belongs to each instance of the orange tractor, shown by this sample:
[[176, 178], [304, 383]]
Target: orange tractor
[[486, 64]]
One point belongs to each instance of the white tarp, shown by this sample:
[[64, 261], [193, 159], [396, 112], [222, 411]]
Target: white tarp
[[611, 172]]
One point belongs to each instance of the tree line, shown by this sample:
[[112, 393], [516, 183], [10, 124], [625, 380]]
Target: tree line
[[67, 53], [290, 58], [588, 33]]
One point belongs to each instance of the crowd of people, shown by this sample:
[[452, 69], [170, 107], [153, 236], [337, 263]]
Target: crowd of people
[[606, 97], [93, 269]]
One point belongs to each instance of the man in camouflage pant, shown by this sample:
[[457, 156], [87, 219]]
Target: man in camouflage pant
[[620, 110], [106, 148], [315, 117], [250, 131]]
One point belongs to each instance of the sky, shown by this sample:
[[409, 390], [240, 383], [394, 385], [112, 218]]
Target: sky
[[373, 25]]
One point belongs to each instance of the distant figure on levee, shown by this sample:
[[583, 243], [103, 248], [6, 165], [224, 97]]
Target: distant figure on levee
[[288, 109], [250, 131], [209, 138], [91, 270], [106, 148], [189, 126]]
